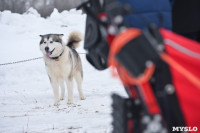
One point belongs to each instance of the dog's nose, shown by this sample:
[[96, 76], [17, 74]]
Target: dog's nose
[[46, 49]]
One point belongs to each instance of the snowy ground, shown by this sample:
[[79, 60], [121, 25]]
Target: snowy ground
[[26, 97]]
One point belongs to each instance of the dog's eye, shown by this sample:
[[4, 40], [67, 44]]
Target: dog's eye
[[44, 42], [51, 41]]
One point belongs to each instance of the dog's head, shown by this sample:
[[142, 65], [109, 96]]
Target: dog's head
[[51, 45]]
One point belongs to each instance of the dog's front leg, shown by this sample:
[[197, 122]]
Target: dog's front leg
[[62, 86], [70, 90], [55, 87]]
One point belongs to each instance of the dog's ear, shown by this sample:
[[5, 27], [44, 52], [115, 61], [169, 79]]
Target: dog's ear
[[60, 35], [41, 35]]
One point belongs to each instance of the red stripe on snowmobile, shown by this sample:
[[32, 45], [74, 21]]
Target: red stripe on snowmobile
[[149, 98]]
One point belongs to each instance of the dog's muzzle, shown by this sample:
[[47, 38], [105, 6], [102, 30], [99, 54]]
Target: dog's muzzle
[[48, 53]]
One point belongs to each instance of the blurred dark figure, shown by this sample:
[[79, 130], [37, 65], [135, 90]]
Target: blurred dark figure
[[186, 18]]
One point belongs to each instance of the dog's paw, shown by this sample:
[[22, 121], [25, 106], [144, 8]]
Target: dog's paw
[[69, 101], [82, 97], [56, 103], [62, 98]]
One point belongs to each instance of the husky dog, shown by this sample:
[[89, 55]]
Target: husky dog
[[62, 64]]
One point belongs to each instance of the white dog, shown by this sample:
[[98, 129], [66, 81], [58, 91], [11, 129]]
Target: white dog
[[62, 64]]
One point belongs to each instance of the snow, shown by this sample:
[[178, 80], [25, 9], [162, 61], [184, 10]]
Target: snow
[[26, 97], [32, 11]]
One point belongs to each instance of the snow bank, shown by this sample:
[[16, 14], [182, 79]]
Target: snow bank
[[26, 97], [33, 12]]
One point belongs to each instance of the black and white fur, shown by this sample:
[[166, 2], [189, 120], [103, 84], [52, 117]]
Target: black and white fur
[[62, 64]]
